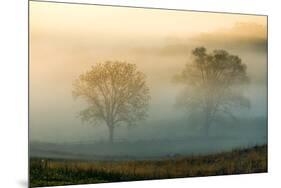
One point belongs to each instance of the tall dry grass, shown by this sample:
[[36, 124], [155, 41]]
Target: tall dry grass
[[63, 172]]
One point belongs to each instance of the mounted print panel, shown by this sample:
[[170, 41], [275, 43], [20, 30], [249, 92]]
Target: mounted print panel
[[125, 94]]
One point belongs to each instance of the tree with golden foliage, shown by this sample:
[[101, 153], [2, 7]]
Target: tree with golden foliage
[[116, 92]]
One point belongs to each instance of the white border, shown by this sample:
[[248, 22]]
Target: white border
[[13, 99]]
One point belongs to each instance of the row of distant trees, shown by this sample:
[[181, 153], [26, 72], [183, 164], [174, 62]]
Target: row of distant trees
[[117, 93]]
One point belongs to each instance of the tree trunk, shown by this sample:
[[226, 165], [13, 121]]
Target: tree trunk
[[207, 124], [111, 132], [206, 128]]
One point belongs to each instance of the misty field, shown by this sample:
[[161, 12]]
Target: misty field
[[51, 172]]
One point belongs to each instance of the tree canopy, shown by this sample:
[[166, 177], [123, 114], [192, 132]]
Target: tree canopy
[[116, 93], [211, 84]]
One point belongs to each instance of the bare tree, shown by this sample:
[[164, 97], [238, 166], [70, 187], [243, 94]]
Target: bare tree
[[116, 93], [212, 83]]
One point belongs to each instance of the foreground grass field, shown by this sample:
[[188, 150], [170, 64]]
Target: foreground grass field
[[50, 172]]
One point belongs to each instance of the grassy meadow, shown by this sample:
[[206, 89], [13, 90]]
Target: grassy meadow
[[55, 172]]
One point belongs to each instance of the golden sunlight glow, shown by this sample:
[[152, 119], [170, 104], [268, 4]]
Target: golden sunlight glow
[[71, 19]]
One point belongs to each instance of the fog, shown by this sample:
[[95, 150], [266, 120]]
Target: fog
[[57, 59]]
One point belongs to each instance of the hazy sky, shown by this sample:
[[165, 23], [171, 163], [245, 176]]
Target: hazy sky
[[67, 39], [56, 18]]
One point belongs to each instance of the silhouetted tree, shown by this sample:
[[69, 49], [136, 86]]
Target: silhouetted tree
[[212, 83], [116, 93]]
